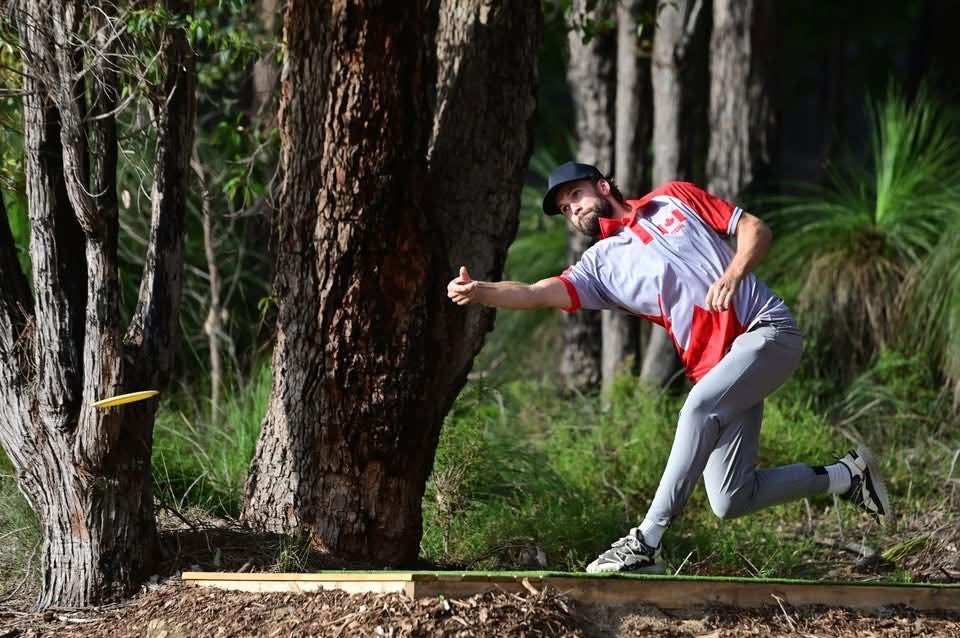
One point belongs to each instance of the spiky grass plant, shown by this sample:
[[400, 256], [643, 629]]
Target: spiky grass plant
[[852, 240], [931, 308]]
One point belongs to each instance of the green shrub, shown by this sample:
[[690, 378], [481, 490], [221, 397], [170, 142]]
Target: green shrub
[[851, 241]]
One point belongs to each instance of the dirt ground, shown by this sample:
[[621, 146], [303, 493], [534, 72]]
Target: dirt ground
[[172, 611]]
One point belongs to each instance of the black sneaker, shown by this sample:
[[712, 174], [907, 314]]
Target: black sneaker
[[631, 555], [866, 484]]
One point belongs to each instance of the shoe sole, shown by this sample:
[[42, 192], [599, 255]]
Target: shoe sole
[[656, 568], [876, 480]]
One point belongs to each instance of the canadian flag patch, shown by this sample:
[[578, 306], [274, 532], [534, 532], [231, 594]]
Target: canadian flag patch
[[670, 221]]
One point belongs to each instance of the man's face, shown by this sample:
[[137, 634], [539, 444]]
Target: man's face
[[584, 206]]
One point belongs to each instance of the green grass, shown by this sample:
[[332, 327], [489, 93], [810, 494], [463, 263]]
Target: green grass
[[202, 462], [558, 475]]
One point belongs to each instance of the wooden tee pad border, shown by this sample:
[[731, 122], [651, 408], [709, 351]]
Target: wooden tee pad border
[[664, 592]]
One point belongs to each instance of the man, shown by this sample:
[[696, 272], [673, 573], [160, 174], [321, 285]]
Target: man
[[663, 257]]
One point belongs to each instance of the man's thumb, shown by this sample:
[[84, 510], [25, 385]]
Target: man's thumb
[[464, 275]]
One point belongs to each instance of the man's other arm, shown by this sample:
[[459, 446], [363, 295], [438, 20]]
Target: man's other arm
[[546, 293]]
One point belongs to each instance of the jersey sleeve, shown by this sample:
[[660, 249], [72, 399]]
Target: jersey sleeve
[[584, 285], [717, 213]]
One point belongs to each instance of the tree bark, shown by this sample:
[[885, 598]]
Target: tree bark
[[370, 354], [676, 46], [591, 74], [741, 117], [86, 472]]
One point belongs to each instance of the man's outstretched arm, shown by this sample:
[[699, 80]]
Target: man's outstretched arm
[[753, 240], [546, 293]]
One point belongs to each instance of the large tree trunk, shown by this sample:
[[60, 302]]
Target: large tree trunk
[[676, 46], [379, 207], [86, 472], [591, 74], [634, 120], [741, 118]]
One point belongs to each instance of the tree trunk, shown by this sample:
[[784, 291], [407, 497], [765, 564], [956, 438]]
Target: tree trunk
[[676, 46], [86, 472], [378, 208], [621, 331], [591, 74], [741, 118]]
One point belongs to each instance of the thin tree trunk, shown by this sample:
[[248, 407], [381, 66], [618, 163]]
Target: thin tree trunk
[[621, 332], [370, 354], [591, 74], [213, 326], [676, 44], [266, 71], [741, 118], [86, 472]]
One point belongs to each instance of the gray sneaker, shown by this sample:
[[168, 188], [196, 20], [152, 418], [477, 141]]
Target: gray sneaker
[[866, 484], [630, 555]]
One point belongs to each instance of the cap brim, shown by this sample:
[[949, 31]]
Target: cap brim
[[550, 202]]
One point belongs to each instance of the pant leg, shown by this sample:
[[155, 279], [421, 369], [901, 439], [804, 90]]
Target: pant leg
[[734, 485], [758, 363]]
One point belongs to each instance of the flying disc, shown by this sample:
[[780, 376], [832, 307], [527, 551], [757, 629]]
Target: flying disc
[[120, 399]]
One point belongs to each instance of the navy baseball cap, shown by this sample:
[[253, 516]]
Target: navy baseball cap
[[569, 172]]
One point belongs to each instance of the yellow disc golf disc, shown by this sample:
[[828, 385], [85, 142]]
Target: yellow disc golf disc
[[120, 399]]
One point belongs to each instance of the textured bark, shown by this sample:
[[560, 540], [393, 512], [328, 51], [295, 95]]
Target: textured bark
[[86, 472], [741, 118], [379, 205], [676, 45], [634, 121], [591, 74]]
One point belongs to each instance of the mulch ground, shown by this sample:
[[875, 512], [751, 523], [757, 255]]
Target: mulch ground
[[173, 611]]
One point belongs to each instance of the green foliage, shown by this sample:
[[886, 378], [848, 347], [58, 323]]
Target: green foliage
[[203, 462], [237, 153], [851, 241]]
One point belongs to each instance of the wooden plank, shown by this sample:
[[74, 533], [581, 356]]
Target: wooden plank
[[691, 594], [306, 577], [663, 593], [305, 586]]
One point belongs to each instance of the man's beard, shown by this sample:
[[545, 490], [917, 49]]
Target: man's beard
[[588, 222]]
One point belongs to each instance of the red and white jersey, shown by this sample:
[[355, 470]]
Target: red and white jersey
[[658, 263]]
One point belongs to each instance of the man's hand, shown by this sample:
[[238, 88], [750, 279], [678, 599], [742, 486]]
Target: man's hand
[[721, 292], [463, 290], [546, 293]]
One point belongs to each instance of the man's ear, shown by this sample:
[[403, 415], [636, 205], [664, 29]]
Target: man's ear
[[603, 187]]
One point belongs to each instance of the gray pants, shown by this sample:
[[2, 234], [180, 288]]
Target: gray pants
[[718, 433]]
